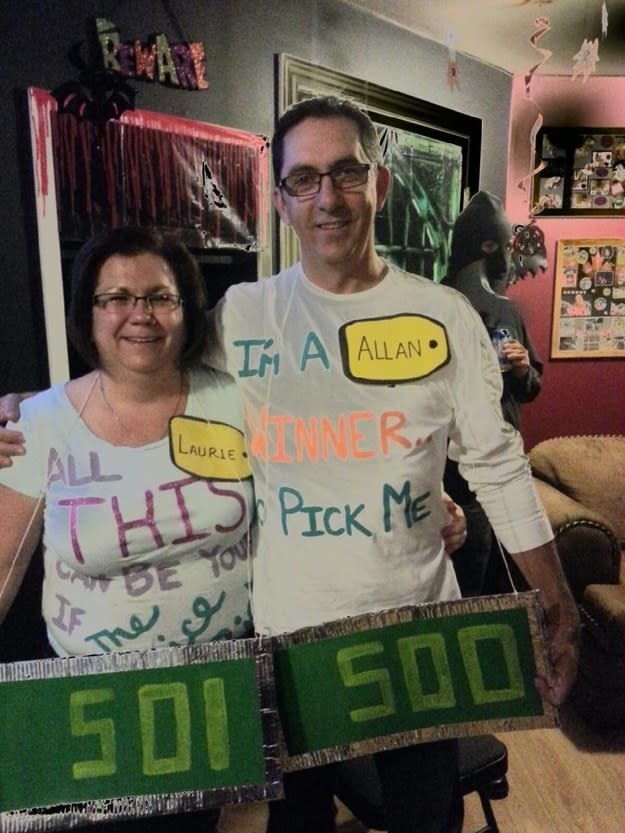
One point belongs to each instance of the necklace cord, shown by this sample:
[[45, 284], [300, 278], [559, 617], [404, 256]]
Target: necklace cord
[[121, 422]]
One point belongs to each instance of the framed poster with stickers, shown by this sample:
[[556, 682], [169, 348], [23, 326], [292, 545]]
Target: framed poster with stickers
[[579, 171], [589, 300]]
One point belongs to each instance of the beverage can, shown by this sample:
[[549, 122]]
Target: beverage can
[[499, 337]]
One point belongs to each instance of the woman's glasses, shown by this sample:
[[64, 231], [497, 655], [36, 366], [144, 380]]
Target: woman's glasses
[[120, 302]]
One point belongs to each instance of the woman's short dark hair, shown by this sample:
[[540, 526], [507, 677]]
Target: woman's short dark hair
[[325, 107], [130, 241]]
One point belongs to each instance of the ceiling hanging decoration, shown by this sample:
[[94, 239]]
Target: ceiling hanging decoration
[[604, 20], [586, 59], [452, 65], [542, 25]]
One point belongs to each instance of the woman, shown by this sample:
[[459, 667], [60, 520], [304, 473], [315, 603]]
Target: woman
[[128, 537], [137, 552]]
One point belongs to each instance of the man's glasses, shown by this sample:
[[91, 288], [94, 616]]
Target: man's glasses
[[307, 183], [120, 302]]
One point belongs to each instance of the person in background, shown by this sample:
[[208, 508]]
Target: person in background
[[485, 258], [356, 378], [138, 554]]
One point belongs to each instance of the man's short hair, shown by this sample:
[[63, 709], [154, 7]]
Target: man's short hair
[[325, 107]]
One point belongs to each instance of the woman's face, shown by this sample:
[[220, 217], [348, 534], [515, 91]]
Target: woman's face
[[137, 336]]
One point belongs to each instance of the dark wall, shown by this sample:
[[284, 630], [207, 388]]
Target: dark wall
[[240, 38]]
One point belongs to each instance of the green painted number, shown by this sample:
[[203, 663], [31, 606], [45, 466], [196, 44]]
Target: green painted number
[[104, 727], [504, 634], [434, 643], [380, 676], [216, 716], [181, 760]]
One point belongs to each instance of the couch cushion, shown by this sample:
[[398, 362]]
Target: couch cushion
[[588, 468]]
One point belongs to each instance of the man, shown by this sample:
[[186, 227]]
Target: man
[[485, 258], [354, 376]]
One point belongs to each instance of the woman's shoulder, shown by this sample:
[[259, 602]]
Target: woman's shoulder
[[51, 398], [204, 377]]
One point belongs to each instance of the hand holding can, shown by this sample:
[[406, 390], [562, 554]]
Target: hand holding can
[[499, 337]]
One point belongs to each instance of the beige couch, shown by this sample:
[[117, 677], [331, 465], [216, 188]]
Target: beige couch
[[581, 481]]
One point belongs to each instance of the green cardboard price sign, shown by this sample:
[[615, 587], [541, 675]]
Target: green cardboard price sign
[[184, 728], [166, 729], [420, 673]]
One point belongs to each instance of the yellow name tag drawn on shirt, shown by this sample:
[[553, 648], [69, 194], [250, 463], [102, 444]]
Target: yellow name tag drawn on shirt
[[396, 348], [208, 449]]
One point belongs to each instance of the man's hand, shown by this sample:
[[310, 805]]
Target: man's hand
[[563, 654], [518, 357], [11, 442], [543, 571], [455, 531]]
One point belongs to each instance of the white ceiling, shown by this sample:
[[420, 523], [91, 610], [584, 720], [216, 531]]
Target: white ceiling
[[498, 32]]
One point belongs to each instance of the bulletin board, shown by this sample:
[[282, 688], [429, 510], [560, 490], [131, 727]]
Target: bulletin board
[[589, 299], [579, 172]]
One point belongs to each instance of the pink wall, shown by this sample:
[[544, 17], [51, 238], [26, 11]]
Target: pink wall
[[579, 395]]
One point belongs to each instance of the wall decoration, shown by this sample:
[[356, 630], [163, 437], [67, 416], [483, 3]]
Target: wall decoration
[[152, 169], [579, 171], [529, 253], [433, 154], [589, 300], [173, 64]]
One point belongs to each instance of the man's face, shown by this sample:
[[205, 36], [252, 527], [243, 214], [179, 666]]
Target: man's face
[[498, 260], [334, 227]]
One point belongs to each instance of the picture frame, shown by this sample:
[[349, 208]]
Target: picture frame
[[420, 140], [579, 171], [589, 299]]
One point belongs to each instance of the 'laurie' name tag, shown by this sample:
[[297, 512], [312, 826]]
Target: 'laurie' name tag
[[208, 449]]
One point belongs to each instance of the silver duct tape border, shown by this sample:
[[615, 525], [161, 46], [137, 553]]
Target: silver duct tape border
[[40, 669], [70, 816], [381, 744], [480, 604], [67, 817], [425, 611]]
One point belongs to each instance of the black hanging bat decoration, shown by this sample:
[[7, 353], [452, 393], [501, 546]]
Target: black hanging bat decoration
[[97, 96]]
